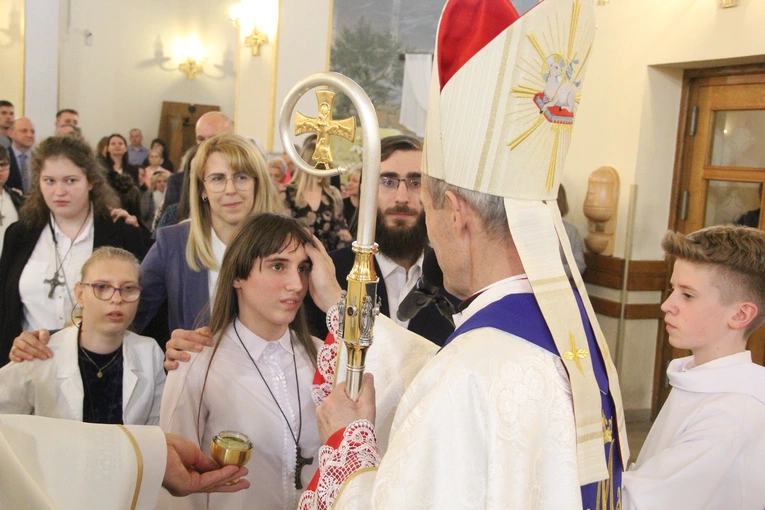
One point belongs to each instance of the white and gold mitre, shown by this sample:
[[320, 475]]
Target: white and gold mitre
[[506, 85]]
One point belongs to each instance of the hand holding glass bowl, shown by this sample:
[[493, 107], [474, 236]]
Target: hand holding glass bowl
[[231, 448]]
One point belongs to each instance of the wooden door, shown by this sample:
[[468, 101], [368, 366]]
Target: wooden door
[[721, 173], [176, 127]]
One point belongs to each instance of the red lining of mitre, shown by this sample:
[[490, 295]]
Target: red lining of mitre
[[466, 27]]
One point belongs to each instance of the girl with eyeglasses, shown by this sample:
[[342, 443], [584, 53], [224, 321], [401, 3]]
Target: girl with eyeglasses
[[100, 372], [228, 182], [66, 215]]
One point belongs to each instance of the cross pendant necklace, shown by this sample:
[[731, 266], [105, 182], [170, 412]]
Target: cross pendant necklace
[[300, 461], [54, 282]]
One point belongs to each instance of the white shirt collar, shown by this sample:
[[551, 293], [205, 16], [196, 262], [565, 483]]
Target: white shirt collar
[[689, 363], [218, 248], [87, 228], [255, 344], [17, 152], [388, 265]]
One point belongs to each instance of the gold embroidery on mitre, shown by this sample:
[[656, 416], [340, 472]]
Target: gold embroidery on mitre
[[556, 98], [575, 354]]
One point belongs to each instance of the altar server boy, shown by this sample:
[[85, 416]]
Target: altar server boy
[[707, 446]]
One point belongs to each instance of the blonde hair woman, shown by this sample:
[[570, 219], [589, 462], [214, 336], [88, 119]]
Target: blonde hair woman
[[319, 206], [228, 182]]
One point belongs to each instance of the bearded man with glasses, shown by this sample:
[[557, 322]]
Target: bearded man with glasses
[[402, 240]]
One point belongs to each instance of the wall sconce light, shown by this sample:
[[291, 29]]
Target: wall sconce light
[[192, 57], [255, 40], [244, 16], [191, 67], [728, 3]]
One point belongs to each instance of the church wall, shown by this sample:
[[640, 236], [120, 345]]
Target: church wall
[[41, 74], [118, 78], [628, 119], [301, 49]]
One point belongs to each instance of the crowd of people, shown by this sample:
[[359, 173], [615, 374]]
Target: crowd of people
[[508, 399]]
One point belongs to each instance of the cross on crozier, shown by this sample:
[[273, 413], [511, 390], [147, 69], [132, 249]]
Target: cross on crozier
[[325, 126]]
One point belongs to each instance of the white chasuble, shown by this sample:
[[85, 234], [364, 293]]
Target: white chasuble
[[47, 463], [487, 423]]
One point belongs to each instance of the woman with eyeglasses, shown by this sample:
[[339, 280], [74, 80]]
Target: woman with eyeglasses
[[318, 205], [66, 215], [228, 182], [100, 372]]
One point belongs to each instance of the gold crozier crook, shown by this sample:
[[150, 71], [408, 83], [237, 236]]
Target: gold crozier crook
[[359, 306]]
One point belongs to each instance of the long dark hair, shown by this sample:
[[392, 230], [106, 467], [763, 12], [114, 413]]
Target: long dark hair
[[125, 160], [257, 237]]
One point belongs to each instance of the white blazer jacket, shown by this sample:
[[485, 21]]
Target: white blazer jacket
[[53, 387]]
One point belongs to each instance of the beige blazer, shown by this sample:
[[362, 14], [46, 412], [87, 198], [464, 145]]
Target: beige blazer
[[53, 387]]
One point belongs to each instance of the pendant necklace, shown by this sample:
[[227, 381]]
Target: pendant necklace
[[100, 373], [300, 461], [54, 281]]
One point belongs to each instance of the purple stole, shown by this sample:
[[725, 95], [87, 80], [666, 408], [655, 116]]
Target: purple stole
[[520, 315]]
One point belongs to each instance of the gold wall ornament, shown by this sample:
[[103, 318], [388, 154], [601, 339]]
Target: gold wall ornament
[[351, 320], [728, 3], [191, 67], [255, 40], [325, 126]]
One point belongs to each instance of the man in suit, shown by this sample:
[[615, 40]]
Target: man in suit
[[402, 239], [7, 115], [22, 135]]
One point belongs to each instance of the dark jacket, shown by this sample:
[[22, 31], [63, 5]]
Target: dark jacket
[[428, 323], [173, 191], [14, 177], [168, 278], [18, 246]]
